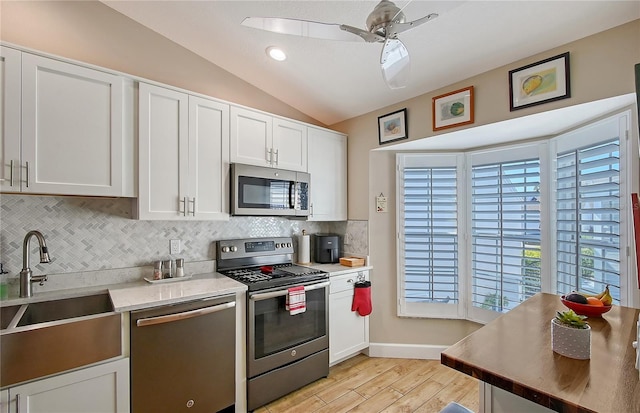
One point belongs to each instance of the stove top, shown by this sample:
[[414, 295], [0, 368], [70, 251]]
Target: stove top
[[263, 263]]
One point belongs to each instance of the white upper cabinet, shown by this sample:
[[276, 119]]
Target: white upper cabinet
[[289, 145], [10, 103], [72, 130], [208, 158], [263, 140], [183, 156], [328, 170]]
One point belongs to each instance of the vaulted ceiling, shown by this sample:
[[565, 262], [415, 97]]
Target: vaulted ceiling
[[333, 80]]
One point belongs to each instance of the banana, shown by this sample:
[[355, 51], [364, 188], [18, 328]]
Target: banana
[[587, 295], [606, 297], [603, 296]]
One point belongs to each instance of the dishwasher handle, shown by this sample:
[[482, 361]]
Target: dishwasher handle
[[169, 318]]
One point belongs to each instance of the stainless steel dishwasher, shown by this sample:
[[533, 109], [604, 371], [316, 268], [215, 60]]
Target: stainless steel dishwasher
[[183, 357]]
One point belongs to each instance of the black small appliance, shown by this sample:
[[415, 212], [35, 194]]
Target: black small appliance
[[327, 248]]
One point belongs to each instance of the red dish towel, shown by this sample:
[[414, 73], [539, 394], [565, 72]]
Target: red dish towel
[[296, 300], [362, 298]]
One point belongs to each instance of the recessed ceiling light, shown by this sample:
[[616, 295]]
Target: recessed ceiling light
[[276, 53]]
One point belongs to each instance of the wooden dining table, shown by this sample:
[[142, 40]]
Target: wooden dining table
[[519, 371]]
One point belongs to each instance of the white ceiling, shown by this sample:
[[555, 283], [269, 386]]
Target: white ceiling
[[333, 80]]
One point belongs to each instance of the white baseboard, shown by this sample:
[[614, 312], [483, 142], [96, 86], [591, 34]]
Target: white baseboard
[[406, 351]]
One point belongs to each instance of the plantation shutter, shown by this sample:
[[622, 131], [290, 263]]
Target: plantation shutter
[[588, 219], [505, 221], [430, 229]]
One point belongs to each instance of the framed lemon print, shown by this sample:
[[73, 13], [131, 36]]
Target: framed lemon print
[[392, 127], [540, 82], [452, 109]]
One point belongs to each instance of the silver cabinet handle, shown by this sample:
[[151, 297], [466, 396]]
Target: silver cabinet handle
[[11, 174], [182, 210], [279, 293], [184, 316], [269, 156], [27, 174], [277, 156], [193, 204], [18, 403]]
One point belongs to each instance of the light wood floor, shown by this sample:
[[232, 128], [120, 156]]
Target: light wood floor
[[369, 385]]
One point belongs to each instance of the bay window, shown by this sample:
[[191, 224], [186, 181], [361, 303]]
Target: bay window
[[480, 232]]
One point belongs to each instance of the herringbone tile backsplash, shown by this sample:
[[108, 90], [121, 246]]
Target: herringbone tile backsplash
[[87, 234]]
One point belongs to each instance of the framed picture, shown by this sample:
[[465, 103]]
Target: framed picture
[[541, 82], [452, 109], [392, 127]]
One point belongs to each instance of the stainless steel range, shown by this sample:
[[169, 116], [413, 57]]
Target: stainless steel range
[[284, 352]]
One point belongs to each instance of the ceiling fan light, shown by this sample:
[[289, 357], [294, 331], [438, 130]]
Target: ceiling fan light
[[276, 53]]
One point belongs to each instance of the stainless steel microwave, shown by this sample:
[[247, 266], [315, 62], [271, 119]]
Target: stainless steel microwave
[[258, 190]]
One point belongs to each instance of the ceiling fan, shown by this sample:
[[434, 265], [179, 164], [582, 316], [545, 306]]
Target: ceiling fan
[[384, 24]]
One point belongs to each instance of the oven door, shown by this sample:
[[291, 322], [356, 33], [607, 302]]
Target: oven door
[[277, 338]]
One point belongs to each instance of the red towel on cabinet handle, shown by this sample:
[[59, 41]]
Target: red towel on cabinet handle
[[362, 298], [296, 302]]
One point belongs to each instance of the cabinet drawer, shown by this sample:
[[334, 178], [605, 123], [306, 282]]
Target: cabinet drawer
[[346, 281]]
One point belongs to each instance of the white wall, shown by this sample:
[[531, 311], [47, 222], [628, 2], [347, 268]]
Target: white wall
[[601, 66]]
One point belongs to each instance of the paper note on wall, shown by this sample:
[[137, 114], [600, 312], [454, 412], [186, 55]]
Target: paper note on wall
[[381, 203]]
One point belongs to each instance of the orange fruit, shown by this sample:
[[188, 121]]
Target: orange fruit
[[594, 301]]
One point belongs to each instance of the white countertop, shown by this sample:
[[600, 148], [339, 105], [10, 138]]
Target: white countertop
[[145, 295], [139, 294], [338, 269]]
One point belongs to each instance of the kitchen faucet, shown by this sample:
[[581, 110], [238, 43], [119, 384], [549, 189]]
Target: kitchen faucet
[[26, 275]]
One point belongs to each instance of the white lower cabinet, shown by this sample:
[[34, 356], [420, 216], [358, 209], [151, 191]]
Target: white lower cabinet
[[4, 401], [99, 389], [348, 331]]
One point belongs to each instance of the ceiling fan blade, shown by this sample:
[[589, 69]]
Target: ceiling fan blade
[[303, 28], [367, 36], [395, 64], [395, 28]]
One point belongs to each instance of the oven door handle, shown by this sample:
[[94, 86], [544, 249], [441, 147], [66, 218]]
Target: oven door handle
[[279, 293], [169, 318]]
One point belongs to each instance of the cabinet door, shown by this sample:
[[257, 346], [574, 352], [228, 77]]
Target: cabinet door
[[328, 170], [289, 145], [163, 156], [71, 129], [348, 331], [99, 389], [4, 401], [208, 159], [251, 137], [10, 102]]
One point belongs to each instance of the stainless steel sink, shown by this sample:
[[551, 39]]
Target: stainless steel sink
[[57, 335], [68, 308], [7, 314]]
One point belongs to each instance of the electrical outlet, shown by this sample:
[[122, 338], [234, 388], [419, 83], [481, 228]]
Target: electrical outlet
[[174, 246]]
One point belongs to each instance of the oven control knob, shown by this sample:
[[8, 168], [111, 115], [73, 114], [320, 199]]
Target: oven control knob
[[288, 245], [293, 353], [225, 249], [233, 248], [277, 245]]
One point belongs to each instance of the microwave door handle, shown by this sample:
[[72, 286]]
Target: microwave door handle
[[292, 194]]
